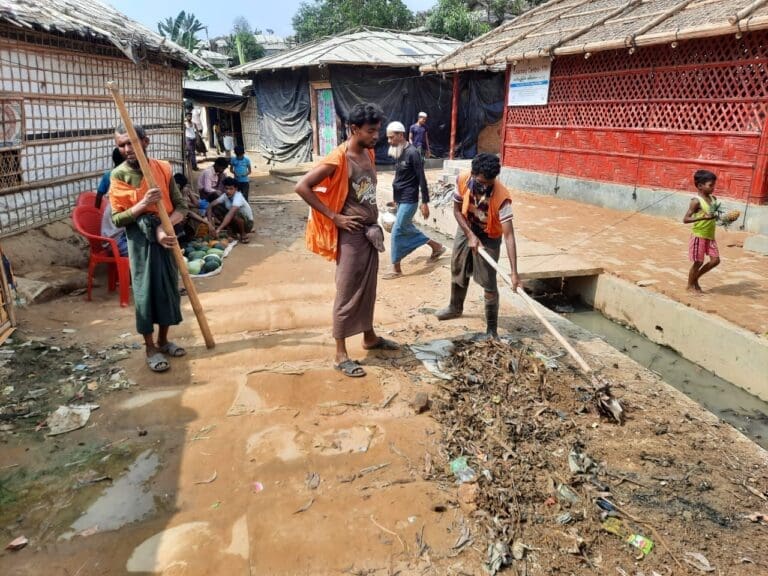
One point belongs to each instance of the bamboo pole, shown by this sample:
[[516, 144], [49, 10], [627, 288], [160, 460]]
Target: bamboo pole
[[746, 11], [658, 20], [7, 293], [454, 114], [532, 307], [164, 219]]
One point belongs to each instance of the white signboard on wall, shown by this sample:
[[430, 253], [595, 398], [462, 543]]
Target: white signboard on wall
[[529, 83]]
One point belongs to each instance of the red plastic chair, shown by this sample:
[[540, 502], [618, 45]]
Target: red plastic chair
[[87, 221], [86, 199]]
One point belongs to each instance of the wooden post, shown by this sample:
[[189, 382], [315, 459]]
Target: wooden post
[[507, 73], [164, 219], [454, 114], [758, 188]]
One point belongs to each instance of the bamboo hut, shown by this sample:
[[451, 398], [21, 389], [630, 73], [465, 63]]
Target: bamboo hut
[[57, 116], [618, 102]]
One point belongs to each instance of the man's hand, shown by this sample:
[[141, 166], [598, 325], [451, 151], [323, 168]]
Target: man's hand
[[165, 240], [151, 198], [425, 211], [348, 223], [515, 281], [473, 242]]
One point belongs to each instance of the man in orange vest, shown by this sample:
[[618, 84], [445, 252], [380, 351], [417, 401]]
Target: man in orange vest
[[482, 207], [154, 275], [342, 227]]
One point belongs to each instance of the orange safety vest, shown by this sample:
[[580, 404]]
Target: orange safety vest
[[498, 196], [322, 236], [123, 196]]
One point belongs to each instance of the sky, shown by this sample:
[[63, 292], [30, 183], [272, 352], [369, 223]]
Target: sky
[[264, 14]]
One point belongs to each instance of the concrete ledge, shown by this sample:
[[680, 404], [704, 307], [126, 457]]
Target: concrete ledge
[[757, 243], [729, 351], [664, 203]]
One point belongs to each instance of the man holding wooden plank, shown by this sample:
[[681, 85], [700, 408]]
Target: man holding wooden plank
[[154, 273]]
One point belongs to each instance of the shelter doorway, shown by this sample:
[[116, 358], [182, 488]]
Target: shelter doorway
[[226, 130], [323, 118]]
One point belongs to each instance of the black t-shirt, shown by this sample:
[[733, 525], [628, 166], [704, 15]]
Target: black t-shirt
[[409, 177]]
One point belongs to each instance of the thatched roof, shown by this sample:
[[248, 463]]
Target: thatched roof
[[561, 27], [363, 47], [90, 19]]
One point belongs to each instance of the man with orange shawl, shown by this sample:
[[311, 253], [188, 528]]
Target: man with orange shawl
[[342, 227], [154, 275]]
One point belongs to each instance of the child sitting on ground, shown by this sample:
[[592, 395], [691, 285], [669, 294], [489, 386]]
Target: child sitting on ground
[[239, 216], [702, 213]]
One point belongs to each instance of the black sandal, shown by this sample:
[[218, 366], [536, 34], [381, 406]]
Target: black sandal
[[350, 368]]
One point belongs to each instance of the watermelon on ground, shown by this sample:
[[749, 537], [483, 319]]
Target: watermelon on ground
[[216, 251], [212, 257], [210, 266], [197, 255], [195, 266]]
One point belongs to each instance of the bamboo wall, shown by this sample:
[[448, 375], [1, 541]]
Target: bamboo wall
[[58, 120], [654, 117], [250, 125]]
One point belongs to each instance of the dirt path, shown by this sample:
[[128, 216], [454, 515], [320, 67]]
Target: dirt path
[[258, 458]]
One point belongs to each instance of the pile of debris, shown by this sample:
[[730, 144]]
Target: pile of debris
[[47, 381], [529, 447]]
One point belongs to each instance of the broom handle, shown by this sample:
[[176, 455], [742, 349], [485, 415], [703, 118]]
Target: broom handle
[[532, 307], [164, 219]]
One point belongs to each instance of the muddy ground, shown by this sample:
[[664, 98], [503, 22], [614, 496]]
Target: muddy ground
[[258, 458]]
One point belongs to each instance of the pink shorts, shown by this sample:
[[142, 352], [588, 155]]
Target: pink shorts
[[698, 248]]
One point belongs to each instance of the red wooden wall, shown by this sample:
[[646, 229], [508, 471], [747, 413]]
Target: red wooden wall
[[654, 117]]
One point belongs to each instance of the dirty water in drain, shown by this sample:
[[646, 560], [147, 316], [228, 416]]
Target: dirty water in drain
[[732, 404]]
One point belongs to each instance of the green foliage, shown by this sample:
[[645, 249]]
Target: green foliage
[[242, 44], [182, 29], [452, 18], [327, 17]]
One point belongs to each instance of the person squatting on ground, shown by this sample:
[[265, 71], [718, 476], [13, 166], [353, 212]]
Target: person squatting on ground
[[409, 178], [482, 207], [702, 214], [210, 183], [154, 274], [238, 218], [341, 190]]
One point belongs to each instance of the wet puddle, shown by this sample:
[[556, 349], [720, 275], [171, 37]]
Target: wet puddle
[[146, 398], [127, 500]]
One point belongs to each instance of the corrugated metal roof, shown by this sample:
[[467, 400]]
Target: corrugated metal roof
[[372, 47], [218, 86], [561, 27]]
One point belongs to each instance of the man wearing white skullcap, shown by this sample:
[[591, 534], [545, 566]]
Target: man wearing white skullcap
[[418, 135], [409, 178]]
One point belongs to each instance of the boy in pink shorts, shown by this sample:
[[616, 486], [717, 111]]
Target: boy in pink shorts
[[702, 213]]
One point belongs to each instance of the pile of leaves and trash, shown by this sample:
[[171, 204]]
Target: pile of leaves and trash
[[49, 381], [534, 456]]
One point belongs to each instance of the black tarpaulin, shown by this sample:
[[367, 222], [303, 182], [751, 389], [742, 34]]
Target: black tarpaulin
[[481, 103], [402, 93], [282, 100], [230, 102]]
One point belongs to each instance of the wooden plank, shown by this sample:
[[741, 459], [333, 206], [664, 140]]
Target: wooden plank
[[5, 333]]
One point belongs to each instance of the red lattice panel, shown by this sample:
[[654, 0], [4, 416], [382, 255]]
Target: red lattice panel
[[652, 118]]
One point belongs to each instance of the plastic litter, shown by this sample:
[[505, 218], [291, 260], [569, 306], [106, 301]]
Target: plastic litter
[[68, 418], [462, 470], [620, 529], [17, 543], [698, 561]]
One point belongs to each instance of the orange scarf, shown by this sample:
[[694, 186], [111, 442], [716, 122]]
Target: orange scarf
[[498, 196], [322, 236], [123, 196]]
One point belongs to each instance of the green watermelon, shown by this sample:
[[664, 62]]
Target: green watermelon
[[195, 266], [210, 266], [215, 251], [218, 246], [197, 255], [212, 257]]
